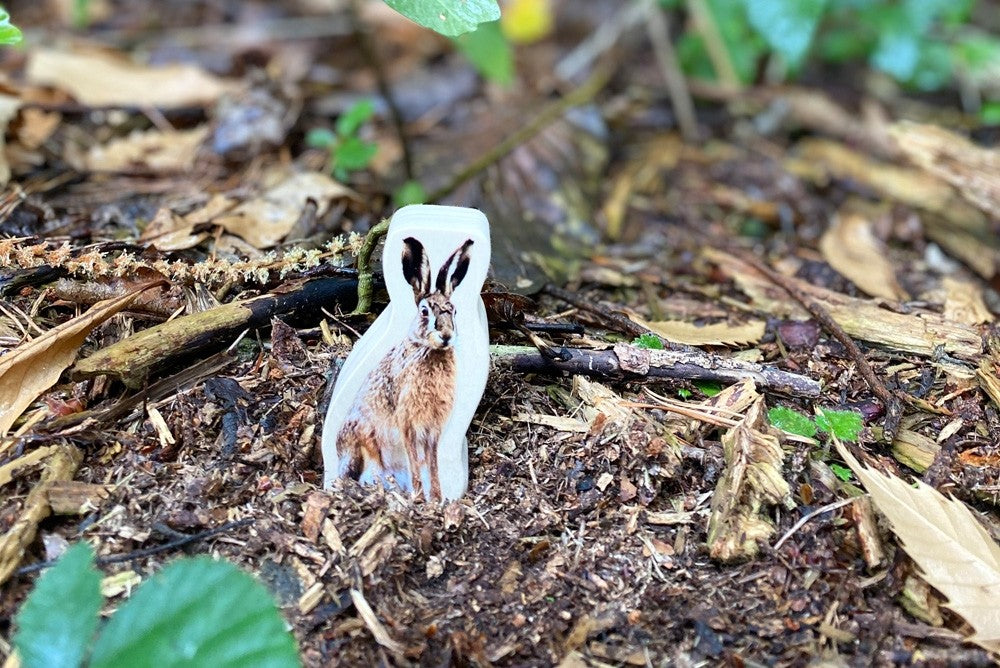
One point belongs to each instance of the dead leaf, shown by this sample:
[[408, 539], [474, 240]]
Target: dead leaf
[[99, 78], [919, 333], [751, 481], [265, 220], [716, 334], [35, 366], [963, 302], [852, 249], [152, 149], [956, 554], [169, 232]]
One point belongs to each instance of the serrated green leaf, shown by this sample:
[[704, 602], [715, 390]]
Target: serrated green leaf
[[845, 425], [489, 52], [709, 388], [792, 421], [9, 33], [321, 138], [59, 617], [197, 612], [448, 17], [841, 472], [649, 341], [787, 26], [351, 120]]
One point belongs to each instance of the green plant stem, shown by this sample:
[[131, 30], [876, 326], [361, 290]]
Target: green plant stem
[[554, 111], [370, 53], [714, 44], [366, 277]]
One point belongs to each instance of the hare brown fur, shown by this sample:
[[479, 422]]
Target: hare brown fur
[[401, 409]]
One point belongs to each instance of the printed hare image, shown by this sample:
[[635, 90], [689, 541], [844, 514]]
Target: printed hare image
[[407, 392]]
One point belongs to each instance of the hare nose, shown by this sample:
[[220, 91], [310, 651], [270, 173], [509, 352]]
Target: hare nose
[[445, 338]]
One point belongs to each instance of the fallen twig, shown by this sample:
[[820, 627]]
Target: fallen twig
[[820, 315], [808, 516], [612, 320], [625, 359], [148, 551], [132, 359]]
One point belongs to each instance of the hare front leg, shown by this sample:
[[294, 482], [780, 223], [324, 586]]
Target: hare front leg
[[431, 454], [410, 442]]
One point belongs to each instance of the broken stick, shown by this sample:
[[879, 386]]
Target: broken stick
[[625, 360]]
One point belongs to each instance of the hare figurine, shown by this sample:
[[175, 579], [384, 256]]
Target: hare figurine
[[407, 393]]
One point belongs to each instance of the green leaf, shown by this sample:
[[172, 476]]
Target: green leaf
[[792, 421], [684, 393], [489, 52], [411, 192], [989, 114], [352, 154], [649, 341], [448, 17], [197, 612], [59, 617], [321, 138], [841, 472], [709, 388], [845, 425], [9, 33], [351, 120], [787, 26]]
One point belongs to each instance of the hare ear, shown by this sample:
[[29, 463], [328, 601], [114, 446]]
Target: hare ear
[[454, 269], [416, 267]]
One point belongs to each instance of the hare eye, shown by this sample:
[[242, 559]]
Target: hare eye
[[423, 310]]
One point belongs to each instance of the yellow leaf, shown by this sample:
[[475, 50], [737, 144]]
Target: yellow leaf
[[853, 250], [35, 366], [956, 554], [716, 334], [526, 21]]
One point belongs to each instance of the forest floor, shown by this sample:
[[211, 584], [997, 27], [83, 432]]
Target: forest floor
[[584, 536]]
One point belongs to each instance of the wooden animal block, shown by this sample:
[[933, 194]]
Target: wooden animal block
[[407, 392]]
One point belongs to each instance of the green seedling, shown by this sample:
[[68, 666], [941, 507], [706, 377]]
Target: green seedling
[[348, 152], [648, 341]]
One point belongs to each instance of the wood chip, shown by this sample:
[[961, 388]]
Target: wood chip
[[376, 628], [850, 246]]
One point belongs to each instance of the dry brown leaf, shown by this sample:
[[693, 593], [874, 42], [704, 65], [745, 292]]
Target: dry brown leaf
[[751, 481], [963, 302], [852, 249], [989, 378], [973, 170], [265, 220], [956, 554], [35, 366], [99, 78], [152, 149], [716, 334], [169, 232], [600, 399], [919, 333]]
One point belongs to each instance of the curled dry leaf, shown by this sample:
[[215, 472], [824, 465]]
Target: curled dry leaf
[[35, 366], [956, 554], [265, 220], [100, 78], [716, 334], [963, 302], [852, 249], [751, 481]]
